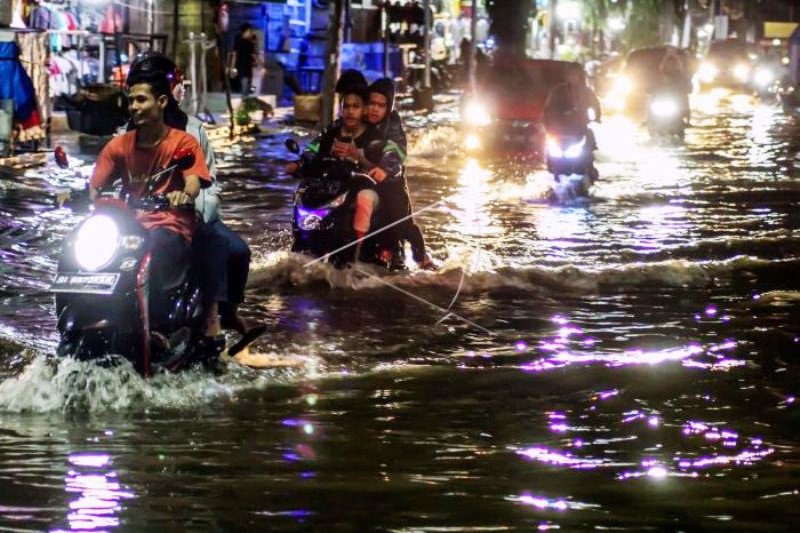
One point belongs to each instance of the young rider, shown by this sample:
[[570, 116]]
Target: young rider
[[139, 154], [389, 169]]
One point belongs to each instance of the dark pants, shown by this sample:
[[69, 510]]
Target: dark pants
[[170, 256], [395, 202], [224, 262]]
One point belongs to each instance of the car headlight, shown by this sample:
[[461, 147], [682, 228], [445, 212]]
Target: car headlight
[[96, 243], [707, 72], [477, 114], [741, 71], [664, 107], [763, 77]]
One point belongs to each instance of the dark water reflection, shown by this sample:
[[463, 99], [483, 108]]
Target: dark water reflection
[[639, 372]]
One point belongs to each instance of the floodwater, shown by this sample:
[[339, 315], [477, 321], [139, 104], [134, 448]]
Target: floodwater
[[627, 362]]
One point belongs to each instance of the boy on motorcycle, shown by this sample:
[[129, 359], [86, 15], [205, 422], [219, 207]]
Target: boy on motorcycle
[[141, 153], [389, 171], [348, 140]]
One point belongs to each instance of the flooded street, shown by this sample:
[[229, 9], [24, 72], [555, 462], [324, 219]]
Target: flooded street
[[627, 361]]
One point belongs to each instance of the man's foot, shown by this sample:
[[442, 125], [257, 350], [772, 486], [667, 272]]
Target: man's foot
[[208, 350], [427, 263], [248, 337]]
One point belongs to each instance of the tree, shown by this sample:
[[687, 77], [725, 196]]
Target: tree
[[510, 20], [643, 27]]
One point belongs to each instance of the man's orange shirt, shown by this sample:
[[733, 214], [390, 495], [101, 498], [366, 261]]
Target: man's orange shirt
[[122, 159]]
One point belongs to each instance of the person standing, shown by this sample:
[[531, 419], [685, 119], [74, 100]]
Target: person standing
[[243, 58]]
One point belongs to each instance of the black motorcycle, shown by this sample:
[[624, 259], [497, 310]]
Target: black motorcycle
[[570, 160], [102, 289], [667, 113], [324, 206]]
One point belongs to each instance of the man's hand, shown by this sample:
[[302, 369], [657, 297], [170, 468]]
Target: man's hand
[[378, 174], [291, 168], [346, 150], [178, 198]]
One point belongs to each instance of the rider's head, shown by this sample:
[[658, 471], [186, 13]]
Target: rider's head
[[349, 77], [150, 61], [381, 100], [149, 97], [575, 75], [354, 106]]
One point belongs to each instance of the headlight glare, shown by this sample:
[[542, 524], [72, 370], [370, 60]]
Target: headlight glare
[[96, 243], [477, 114]]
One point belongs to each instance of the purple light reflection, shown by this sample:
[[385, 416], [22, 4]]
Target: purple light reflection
[[543, 455]]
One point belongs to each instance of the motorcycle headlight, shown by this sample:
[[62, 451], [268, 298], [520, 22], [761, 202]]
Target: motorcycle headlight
[[664, 107], [96, 243], [477, 114], [741, 71], [575, 150], [553, 148], [763, 77], [311, 219], [707, 72]]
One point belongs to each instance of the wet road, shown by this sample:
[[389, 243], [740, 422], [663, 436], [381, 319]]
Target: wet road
[[635, 367]]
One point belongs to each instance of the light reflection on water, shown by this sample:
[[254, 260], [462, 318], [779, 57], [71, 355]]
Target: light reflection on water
[[632, 353]]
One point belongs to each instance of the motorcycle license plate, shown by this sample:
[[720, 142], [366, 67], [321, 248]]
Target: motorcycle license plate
[[76, 282]]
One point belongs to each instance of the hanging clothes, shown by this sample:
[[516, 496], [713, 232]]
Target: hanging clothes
[[15, 84]]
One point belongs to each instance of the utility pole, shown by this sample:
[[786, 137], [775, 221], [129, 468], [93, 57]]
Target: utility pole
[[424, 97], [473, 29], [332, 63], [551, 29]]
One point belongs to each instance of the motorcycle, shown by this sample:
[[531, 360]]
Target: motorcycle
[[101, 289], [667, 113], [571, 162], [324, 206]]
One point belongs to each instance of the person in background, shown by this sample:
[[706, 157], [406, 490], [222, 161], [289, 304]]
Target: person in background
[[243, 58]]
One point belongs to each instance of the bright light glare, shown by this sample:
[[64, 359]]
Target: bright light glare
[[707, 72], [623, 85], [741, 71], [616, 24], [96, 243], [763, 77], [664, 107], [475, 113], [568, 10], [472, 142]]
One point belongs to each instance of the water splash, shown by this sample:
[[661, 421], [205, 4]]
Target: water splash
[[71, 386]]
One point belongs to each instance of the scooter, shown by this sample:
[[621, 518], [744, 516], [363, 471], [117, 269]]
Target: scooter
[[571, 162], [324, 206], [667, 114], [102, 289]]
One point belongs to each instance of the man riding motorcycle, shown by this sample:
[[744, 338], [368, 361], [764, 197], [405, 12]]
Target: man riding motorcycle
[[349, 140], [570, 107], [141, 153]]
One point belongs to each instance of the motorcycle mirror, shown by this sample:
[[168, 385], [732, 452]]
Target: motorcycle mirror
[[182, 159], [61, 157], [292, 146]]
